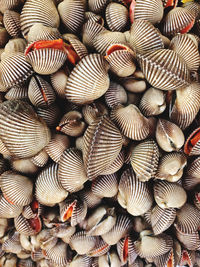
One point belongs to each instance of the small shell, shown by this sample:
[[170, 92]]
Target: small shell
[[137, 129], [169, 136], [144, 37], [126, 250], [27, 227], [14, 46], [94, 17], [11, 20], [97, 6], [192, 144], [115, 95], [48, 189], [79, 48], [59, 82], [109, 258], [144, 160], [135, 84], [40, 159], [26, 263], [17, 92], [50, 115], [93, 111], [105, 186], [192, 176], [10, 4], [90, 86], [169, 195], [8, 210], [135, 196], [81, 260], [164, 69]]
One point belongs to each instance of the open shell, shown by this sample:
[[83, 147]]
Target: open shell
[[192, 144], [8, 210]]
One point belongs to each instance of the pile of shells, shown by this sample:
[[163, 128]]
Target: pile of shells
[[99, 133]]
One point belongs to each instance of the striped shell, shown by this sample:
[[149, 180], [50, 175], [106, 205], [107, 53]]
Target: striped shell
[[48, 188], [88, 81], [102, 143], [115, 95], [97, 6], [192, 176], [189, 241], [93, 111], [144, 160], [90, 198], [11, 20], [27, 133], [144, 37], [50, 115], [100, 248], [93, 17], [77, 46], [81, 260], [58, 254], [8, 210], [40, 159], [164, 69], [12, 244], [126, 250], [59, 81], [9, 4], [36, 11], [192, 144], [117, 163], [111, 258], [17, 92], [27, 227], [135, 196]]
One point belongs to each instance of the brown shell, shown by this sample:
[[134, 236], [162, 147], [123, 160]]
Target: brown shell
[[110, 258], [11, 20], [192, 175], [97, 6], [126, 250], [93, 17], [115, 95], [192, 144], [17, 92], [189, 240], [8, 210], [40, 159], [59, 81], [9, 4], [93, 111], [117, 163], [100, 249], [50, 115], [78, 46], [27, 227], [90, 198]]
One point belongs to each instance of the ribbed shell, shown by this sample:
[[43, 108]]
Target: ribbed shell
[[88, 81], [14, 46], [26, 263], [151, 10], [115, 95], [9, 4], [59, 81], [8, 210], [97, 6], [11, 20], [78, 47], [72, 14], [144, 160], [116, 165], [126, 250], [189, 241], [90, 198], [102, 143], [71, 171], [93, 111], [111, 258], [58, 254], [15, 70], [100, 249], [81, 260], [27, 227], [46, 61], [144, 37], [12, 244], [192, 144], [134, 195], [162, 219], [164, 69], [116, 17], [17, 189], [40, 159], [192, 176], [37, 11], [48, 189], [93, 17], [27, 133], [169, 195], [137, 129], [177, 21], [50, 115], [17, 93]]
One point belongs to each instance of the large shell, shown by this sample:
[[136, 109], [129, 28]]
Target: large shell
[[117, 163], [27, 133], [115, 95], [164, 69], [88, 81], [192, 176], [102, 144], [144, 160], [11, 20], [134, 195], [36, 11]]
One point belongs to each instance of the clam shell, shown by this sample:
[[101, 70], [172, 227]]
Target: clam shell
[[48, 188], [97, 6], [162, 219], [116, 165], [116, 17], [135, 196], [94, 17], [17, 92], [115, 95], [9, 4], [38, 12], [40, 159], [102, 143], [109, 258], [189, 240], [8, 210], [26, 263], [58, 254], [169, 195], [137, 129], [93, 111], [144, 160], [72, 14], [27, 227], [88, 81], [100, 249], [67, 175], [11, 20], [164, 69], [27, 133], [144, 37], [192, 176], [78, 47], [59, 82], [187, 257], [193, 7], [81, 260], [90, 198], [14, 46], [50, 115], [134, 84], [12, 244], [126, 250], [192, 144]]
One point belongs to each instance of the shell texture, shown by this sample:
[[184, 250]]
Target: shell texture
[[11, 21]]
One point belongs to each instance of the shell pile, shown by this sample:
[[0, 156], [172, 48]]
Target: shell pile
[[99, 133]]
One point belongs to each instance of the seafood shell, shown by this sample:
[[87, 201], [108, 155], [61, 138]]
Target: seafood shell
[[90, 198], [59, 82], [115, 95], [105, 186], [11, 20], [14, 46], [27, 227], [81, 260], [192, 144], [77, 46], [117, 163], [40, 159], [97, 6], [24, 124], [102, 143], [9, 4], [50, 115], [164, 69], [100, 248], [192, 176], [93, 111], [12, 244], [109, 258], [94, 17], [189, 241], [17, 92], [8, 210], [126, 250], [88, 81]]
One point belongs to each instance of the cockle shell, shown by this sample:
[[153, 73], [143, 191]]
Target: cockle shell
[[10, 4], [8, 210], [94, 17], [40, 159], [192, 175], [93, 111], [126, 250], [11, 20], [115, 95], [14, 46], [192, 144], [100, 249], [17, 92], [111, 258], [90, 198], [97, 6], [79, 48], [105, 186], [81, 260], [28, 227], [12, 244], [59, 81], [50, 114], [117, 163], [190, 241]]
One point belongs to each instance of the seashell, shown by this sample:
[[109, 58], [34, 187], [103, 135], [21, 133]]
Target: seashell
[[4, 165], [15, 70], [152, 102], [9, 4], [41, 158], [187, 257], [81, 260], [72, 124], [191, 146], [8, 210], [72, 179], [94, 84], [197, 199], [118, 231], [22, 119], [192, 176], [171, 167], [93, 111], [98, 156], [117, 163], [100, 249], [16, 92], [149, 10], [161, 71], [82, 243], [90, 198], [116, 17], [100, 221], [27, 227], [12, 244], [193, 7], [4, 36], [169, 136], [186, 105], [189, 241], [63, 231], [121, 60], [142, 43], [79, 48], [160, 244], [126, 250], [134, 84], [97, 6], [162, 219], [31, 210], [115, 95], [11, 20], [45, 240], [90, 16], [59, 82], [105, 186], [14, 46], [48, 188], [104, 39], [109, 258], [178, 20], [57, 146], [26, 263], [169, 195], [134, 195], [38, 12], [4, 150], [24, 165], [72, 14], [144, 160], [50, 115], [137, 129]]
